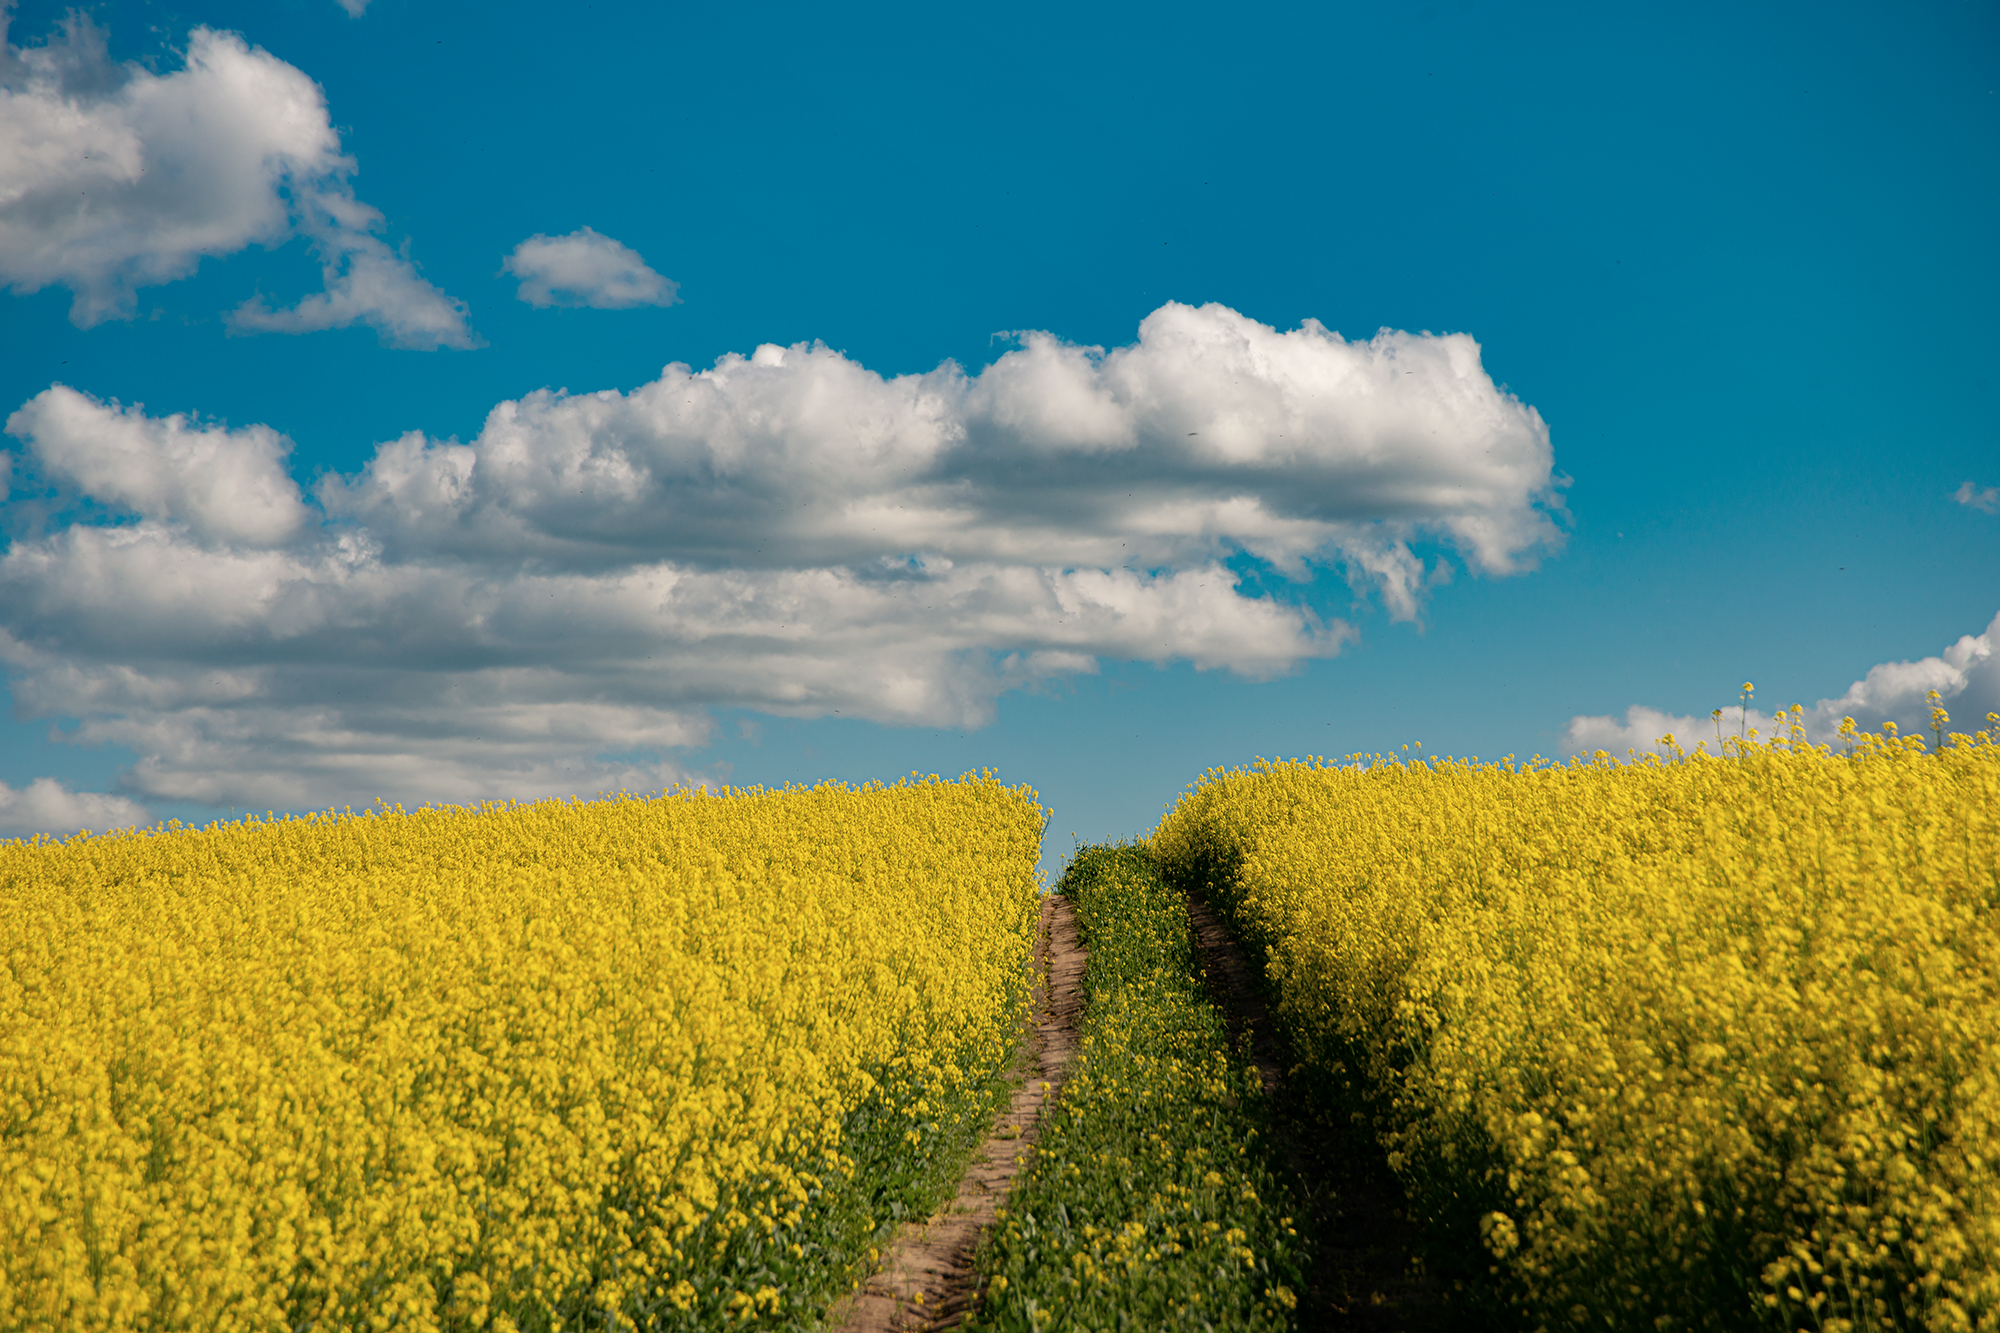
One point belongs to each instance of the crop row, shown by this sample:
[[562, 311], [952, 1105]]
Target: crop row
[[661, 1063], [1711, 1044]]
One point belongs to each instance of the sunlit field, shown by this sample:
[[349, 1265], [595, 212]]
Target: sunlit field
[[621, 1064], [1705, 1043]]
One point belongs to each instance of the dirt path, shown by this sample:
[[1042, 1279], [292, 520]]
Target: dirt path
[[1361, 1276], [925, 1281]]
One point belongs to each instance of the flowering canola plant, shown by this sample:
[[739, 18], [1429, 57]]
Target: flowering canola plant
[[665, 1062], [1700, 1044]]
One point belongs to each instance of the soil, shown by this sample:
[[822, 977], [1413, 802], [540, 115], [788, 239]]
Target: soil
[[1362, 1277], [925, 1280]]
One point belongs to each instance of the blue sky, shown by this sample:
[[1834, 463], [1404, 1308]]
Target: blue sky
[[1729, 270]]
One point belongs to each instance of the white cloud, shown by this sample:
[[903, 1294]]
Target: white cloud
[[789, 533], [1966, 675], [114, 178], [1211, 434], [355, 8], [1986, 499], [584, 268], [1643, 729], [366, 283], [224, 486], [47, 806]]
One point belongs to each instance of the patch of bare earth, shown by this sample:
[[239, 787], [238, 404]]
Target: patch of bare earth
[[1362, 1276], [925, 1280]]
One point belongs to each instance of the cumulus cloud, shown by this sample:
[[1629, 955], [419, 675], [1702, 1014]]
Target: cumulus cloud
[[557, 605], [585, 268], [47, 806], [1211, 434], [355, 8], [223, 486], [113, 178], [1966, 675], [1986, 499]]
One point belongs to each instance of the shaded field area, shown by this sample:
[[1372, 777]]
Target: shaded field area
[[1364, 1272]]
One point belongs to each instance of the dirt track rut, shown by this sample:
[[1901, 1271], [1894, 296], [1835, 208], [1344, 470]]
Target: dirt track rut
[[925, 1278]]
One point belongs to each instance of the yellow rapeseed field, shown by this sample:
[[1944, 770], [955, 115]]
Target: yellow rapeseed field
[[559, 1065], [1704, 1044]]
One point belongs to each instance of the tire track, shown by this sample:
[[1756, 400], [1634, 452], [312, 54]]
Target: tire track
[[1361, 1277]]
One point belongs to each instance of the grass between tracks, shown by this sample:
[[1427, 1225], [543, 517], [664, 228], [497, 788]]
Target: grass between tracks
[[1151, 1202]]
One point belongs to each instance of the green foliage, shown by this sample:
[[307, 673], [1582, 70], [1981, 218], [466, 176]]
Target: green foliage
[[1151, 1202]]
